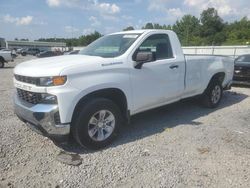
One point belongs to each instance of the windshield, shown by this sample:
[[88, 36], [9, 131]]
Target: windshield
[[110, 45]]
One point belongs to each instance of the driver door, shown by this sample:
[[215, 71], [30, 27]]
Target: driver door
[[158, 82]]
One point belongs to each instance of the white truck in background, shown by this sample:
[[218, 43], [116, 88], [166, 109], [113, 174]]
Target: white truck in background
[[90, 95], [5, 56]]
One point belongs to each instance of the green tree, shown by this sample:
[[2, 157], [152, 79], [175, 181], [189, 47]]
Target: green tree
[[83, 40], [157, 26], [148, 26], [87, 39], [211, 26], [188, 30], [238, 32], [129, 28], [167, 27]]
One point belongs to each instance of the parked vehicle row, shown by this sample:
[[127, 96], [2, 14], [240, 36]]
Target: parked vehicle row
[[49, 54], [7, 55], [73, 52], [30, 51]]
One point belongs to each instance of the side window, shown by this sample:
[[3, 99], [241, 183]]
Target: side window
[[159, 45]]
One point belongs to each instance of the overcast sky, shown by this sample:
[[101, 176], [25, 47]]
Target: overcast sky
[[34, 19]]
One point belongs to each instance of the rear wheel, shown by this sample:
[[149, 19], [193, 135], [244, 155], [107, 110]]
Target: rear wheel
[[23, 53], [97, 123], [213, 94]]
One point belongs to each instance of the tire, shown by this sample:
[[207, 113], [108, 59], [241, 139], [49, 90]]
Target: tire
[[1, 63], [213, 94], [23, 53], [85, 129]]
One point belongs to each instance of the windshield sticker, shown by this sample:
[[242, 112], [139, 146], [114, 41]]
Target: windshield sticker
[[130, 36]]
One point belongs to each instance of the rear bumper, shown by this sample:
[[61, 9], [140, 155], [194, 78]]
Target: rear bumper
[[41, 118]]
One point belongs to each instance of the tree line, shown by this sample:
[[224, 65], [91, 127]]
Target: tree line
[[208, 29], [83, 40]]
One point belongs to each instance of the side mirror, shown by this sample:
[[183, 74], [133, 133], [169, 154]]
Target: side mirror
[[143, 57]]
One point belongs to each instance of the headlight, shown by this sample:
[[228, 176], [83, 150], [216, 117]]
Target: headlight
[[48, 99], [52, 81]]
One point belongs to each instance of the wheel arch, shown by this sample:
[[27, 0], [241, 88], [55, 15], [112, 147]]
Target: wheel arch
[[206, 96], [114, 94], [220, 76], [2, 59]]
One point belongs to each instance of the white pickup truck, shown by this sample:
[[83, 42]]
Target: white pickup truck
[[90, 95], [5, 56]]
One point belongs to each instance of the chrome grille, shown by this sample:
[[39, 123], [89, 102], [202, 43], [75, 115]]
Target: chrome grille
[[26, 79], [30, 97]]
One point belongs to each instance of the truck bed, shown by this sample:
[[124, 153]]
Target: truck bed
[[200, 69]]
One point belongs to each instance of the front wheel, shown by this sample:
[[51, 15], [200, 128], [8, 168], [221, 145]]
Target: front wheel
[[213, 94], [97, 123]]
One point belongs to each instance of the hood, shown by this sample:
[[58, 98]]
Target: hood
[[53, 66], [242, 64]]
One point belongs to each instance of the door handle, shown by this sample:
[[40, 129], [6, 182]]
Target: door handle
[[174, 66]]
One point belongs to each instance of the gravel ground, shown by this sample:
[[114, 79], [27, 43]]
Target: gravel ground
[[180, 145]]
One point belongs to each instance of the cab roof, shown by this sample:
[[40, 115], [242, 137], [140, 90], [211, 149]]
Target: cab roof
[[137, 31]]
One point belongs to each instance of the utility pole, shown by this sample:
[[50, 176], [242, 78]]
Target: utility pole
[[187, 35]]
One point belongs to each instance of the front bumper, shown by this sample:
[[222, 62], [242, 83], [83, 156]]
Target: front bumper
[[241, 80], [42, 119], [247, 83]]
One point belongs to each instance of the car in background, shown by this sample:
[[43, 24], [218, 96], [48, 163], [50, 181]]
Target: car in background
[[242, 70], [48, 54], [5, 57], [12, 51], [19, 50], [30, 51]]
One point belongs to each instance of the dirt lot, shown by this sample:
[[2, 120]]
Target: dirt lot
[[180, 145]]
